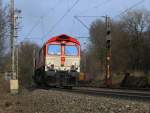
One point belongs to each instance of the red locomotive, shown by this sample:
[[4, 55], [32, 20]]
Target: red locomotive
[[58, 62]]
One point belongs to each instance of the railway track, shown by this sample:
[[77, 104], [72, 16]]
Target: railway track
[[132, 94], [121, 93]]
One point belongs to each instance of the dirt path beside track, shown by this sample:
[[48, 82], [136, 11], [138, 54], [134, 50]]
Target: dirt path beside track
[[51, 101]]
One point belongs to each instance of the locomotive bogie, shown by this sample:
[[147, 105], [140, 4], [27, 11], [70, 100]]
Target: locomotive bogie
[[61, 78]]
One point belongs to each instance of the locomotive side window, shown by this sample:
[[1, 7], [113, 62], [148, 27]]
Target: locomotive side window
[[71, 50], [54, 49]]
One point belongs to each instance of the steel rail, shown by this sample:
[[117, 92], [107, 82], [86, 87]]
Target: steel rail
[[144, 95], [119, 93]]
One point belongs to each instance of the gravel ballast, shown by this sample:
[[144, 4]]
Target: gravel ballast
[[52, 101]]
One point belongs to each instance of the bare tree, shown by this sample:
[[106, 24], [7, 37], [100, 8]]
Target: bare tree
[[130, 42], [119, 45], [136, 24], [3, 32], [26, 55], [97, 38]]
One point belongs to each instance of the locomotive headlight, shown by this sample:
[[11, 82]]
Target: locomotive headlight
[[74, 63], [50, 66], [72, 67]]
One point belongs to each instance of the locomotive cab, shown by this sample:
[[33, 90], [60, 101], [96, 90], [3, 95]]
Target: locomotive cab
[[62, 57], [62, 61]]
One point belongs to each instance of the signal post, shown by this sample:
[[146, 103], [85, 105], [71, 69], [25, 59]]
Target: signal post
[[14, 85], [108, 77]]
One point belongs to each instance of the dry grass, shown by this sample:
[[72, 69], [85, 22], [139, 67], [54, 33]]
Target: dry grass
[[4, 85], [51, 101]]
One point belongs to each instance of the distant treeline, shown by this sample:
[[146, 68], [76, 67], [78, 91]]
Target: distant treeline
[[130, 44]]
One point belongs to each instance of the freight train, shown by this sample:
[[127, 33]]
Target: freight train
[[58, 62]]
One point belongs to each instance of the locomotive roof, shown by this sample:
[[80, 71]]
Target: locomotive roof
[[63, 37]]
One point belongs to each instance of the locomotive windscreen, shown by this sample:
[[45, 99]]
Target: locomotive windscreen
[[71, 50], [54, 49]]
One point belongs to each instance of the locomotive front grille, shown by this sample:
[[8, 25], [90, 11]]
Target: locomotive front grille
[[56, 61]]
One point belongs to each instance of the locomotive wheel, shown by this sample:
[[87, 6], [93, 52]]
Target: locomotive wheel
[[37, 81], [50, 82]]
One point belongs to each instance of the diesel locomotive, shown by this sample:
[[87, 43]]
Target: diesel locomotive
[[58, 62]]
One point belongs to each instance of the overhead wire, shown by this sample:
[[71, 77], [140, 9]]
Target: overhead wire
[[38, 22], [72, 26], [81, 22], [77, 17], [33, 27], [96, 6], [42, 28], [62, 17], [133, 6], [53, 27], [88, 16]]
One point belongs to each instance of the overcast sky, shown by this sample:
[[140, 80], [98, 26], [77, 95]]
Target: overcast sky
[[44, 14]]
